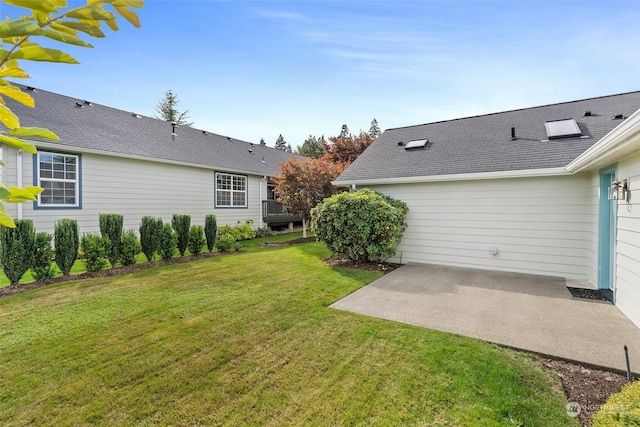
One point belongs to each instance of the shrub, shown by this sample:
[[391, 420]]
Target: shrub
[[181, 225], [361, 226], [66, 242], [129, 248], [242, 231], [264, 232], [111, 227], [41, 268], [150, 234], [16, 249], [224, 243], [621, 409], [167, 242], [196, 239], [96, 249], [210, 230]]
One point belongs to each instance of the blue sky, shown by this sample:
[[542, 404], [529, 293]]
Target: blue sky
[[255, 69]]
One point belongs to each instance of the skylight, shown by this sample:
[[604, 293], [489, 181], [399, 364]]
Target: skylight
[[416, 143], [565, 128]]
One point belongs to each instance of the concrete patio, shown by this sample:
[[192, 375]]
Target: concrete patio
[[528, 312]]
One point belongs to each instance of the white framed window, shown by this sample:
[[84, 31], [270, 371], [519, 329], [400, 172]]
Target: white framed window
[[59, 175], [231, 191]]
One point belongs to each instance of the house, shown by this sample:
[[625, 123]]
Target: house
[[114, 161], [551, 190]]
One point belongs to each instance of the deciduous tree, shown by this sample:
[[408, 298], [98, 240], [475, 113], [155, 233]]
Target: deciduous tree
[[52, 20], [302, 184], [345, 149]]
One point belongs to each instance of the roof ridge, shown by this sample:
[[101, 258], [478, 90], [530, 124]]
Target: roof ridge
[[514, 110]]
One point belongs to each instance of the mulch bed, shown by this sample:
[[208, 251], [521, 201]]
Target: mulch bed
[[588, 387]]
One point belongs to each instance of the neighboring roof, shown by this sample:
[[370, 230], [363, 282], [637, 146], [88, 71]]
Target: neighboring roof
[[483, 144], [96, 128]]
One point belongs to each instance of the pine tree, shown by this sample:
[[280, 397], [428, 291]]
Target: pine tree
[[281, 144], [167, 109], [312, 147], [374, 130], [262, 141], [344, 132]]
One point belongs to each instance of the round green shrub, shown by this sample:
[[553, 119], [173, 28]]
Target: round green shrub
[[621, 409], [96, 249], [42, 257], [129, 248], [360, 226], [167, 242], [224, 243]]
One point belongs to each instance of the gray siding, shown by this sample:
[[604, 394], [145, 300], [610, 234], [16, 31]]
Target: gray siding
[[539, 225]]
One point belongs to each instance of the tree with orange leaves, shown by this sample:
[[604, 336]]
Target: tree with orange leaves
[[303, 183]]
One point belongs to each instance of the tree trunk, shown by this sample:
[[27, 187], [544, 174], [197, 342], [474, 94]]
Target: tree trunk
[[304, 228]]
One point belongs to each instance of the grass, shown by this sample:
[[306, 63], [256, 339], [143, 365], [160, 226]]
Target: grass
[[249, 339]]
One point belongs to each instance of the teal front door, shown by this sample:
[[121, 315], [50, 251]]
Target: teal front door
[[606, 231]]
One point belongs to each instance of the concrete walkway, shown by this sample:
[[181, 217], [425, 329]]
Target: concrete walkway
[[528, 312]]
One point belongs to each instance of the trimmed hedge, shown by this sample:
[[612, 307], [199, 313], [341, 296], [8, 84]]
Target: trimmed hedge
[[196, 239], [66, 242], [167, 242], [17, 246], [150, 235]]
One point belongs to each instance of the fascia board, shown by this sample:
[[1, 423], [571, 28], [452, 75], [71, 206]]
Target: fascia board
[[527, 173]]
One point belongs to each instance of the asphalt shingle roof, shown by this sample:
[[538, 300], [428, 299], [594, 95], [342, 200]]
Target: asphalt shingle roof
[[91, 126], [483, 143]]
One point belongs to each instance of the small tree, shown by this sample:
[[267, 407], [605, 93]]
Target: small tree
[[302, 184], [280, 144], [361, 226], [210, 230], [167, 109], [167, 242], [17, 246], [111, 227], [42, 257], [374, 129], [150, 234], [181, 225], [95, 249], [66, 242], [196, 239], [130, 248]]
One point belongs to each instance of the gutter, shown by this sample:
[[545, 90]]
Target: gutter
[[620, 142], [526, 173]]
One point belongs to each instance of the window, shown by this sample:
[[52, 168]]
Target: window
[[231, 190], [562, 128], [59, 176]]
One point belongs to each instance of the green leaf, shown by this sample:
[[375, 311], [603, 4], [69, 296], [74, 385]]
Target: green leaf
[[91, 13], [7, 117], [11, 69], [65, 38], [34, 52], [4, 193], [16, 94], [20, 195], [43, 5], [128, 3], [34, 133], [6, 220], [92, 30], [19, 28], [56, 25], [18, 143], [129, 15]]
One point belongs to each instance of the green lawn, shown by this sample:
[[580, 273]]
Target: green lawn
[[248, 339]]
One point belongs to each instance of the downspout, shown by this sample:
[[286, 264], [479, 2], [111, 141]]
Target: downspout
[[264, 179], [19, 179]]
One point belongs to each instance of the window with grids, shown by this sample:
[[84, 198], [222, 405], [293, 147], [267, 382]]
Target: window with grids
[[231, 191], [58, 175]]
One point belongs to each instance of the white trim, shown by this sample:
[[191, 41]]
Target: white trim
[[58, 146], [620, 142], [457, 177]]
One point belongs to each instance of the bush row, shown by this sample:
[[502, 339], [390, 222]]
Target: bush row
[[21, 248]]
